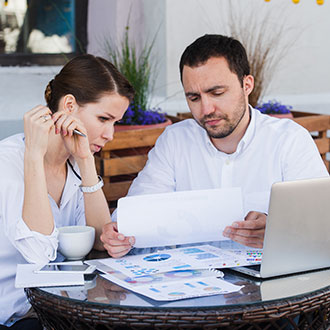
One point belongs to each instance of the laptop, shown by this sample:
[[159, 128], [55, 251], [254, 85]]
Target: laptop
[[297, 236]]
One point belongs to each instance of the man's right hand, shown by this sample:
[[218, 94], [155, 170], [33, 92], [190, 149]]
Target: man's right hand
[[115, 243]]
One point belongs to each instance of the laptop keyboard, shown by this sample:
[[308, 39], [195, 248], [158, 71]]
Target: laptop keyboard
[[254, 267]]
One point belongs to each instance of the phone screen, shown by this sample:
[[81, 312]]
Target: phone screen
[[68, 268]]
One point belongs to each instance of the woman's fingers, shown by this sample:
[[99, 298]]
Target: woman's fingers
[[36, 113], [117, 251], [116, 243], [66, 123]]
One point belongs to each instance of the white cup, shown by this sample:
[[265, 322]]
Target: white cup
[[75, 242]]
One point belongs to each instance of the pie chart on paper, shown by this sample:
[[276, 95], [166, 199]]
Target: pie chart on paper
[[157, 257]]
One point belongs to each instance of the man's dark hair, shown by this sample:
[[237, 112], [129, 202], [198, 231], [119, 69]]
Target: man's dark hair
[[216, 45]]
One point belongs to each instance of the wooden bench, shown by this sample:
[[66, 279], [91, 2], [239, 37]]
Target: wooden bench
[[318, 126], [122, 159]]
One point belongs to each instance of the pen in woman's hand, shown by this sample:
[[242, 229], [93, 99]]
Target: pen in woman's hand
[[78, 132]]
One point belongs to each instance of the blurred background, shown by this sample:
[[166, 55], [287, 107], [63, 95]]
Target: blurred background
[[287, 42]]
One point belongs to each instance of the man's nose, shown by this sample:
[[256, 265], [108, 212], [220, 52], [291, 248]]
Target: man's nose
[[207, 106]]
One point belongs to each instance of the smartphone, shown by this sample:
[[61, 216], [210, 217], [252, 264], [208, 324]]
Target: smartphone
[[66, 267]]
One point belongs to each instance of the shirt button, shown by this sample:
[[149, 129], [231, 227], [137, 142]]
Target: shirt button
[[227, 161]]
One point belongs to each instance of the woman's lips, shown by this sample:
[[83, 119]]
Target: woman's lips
[[97, 148]]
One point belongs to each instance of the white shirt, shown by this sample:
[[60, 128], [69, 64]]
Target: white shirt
[[271, 150], [18, 244]]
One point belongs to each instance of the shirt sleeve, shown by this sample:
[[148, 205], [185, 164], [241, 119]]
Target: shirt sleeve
[[34, 247], [301, 158]]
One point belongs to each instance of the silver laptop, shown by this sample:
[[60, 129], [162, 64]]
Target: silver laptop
[[297, 236]]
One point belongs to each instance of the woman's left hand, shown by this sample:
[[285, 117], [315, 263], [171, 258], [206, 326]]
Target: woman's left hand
[[77, 146]]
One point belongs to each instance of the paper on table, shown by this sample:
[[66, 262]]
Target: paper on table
[[164, 290], [173, 273], [27, 278], [179, 217]]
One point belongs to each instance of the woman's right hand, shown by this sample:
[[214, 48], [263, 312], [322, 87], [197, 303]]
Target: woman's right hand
[[37, 125], [115, 243]]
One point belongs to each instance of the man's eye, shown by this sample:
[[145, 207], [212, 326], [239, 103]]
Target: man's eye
[[194, 99]]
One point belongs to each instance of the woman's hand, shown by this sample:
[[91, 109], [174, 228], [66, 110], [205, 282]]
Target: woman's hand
[[37, 126], [77, 146], [115, 243]]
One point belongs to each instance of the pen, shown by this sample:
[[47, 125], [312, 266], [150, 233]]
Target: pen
[[79, 133]]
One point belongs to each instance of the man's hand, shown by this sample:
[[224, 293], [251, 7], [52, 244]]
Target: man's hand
[[249, 232], [115, 243]]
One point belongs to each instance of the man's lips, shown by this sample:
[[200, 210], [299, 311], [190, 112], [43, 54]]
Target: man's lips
[[212, 122]]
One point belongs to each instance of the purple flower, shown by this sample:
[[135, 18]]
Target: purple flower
[[273, 107], [134, 115]]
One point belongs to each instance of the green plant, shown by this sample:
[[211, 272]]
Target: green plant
[[139, 69]]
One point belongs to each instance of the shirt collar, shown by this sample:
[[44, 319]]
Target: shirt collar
[[72, 183], [249, 133]]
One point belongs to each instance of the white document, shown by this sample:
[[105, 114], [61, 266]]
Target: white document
[[197, 283], [174, 274], [184, 258], [27, 278], [179, 217]]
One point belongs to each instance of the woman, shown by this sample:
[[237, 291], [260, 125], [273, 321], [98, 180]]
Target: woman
[[48, 176]]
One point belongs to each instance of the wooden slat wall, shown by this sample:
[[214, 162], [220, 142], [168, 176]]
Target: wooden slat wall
[[124, 165], [319, 124], [133, 139], [109, 165]]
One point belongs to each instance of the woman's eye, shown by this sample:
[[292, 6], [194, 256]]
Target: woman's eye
[[103, 119]]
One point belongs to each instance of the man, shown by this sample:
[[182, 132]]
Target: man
[[227, 144]]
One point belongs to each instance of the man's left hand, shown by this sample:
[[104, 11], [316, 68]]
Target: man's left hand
[[249, 232]]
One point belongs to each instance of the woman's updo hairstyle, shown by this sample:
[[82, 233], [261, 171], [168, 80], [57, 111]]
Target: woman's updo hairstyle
[[87, 78]]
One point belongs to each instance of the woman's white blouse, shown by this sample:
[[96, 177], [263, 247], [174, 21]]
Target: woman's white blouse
[[18, 244]]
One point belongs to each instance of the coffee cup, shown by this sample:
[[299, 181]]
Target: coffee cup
[[75, 242]]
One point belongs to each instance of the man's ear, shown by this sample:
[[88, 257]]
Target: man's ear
[[69, 103], [248, 84]]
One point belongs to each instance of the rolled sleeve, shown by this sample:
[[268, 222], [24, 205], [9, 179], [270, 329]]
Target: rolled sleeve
[[35, 247]]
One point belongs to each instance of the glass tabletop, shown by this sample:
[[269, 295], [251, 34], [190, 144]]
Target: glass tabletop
[[98, 290]]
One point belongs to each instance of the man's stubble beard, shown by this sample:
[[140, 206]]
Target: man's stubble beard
[[228, 126]]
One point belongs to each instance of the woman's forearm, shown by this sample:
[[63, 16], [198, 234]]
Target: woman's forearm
[[96, 207], [37, 213]]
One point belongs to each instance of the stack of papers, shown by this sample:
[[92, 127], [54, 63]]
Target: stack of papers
[[174, 274]]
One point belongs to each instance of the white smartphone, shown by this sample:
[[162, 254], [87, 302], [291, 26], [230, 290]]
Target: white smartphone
[[66, 267]]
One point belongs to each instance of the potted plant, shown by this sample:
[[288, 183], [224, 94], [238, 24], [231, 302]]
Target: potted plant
[[275, 109], [139, 69]]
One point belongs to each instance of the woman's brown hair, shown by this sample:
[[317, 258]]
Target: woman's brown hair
[[87, 78]]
